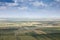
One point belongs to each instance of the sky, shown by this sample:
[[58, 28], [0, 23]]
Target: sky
[[29, 8]]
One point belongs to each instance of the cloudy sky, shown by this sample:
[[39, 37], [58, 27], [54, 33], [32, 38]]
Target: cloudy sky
[[29, 8]]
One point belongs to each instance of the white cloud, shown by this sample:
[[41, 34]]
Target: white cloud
[[12, 4], [23, 8], [30, 0], [15, 1], [57, 0], [22, 0], [37, 4], [18, 1], [9, 4], [55, 4], [3, 7]]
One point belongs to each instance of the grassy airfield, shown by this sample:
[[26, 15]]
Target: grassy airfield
[[30, 30]]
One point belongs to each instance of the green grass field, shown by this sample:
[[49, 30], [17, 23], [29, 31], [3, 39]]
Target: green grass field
[[30, 30], [31, 35], [55, 36]]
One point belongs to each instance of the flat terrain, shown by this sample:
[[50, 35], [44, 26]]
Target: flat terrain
[[30, 31]]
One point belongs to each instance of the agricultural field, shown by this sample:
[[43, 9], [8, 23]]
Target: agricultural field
[[30, 31]]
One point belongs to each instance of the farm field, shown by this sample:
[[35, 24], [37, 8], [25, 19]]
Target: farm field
[[35, 31]]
